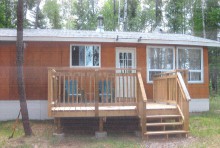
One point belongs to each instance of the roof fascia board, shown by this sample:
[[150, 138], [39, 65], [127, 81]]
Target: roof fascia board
[[111, 40]]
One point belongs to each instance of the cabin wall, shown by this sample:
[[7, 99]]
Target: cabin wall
[[40, 55]]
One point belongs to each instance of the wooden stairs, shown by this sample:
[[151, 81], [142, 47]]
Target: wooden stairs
[[164, 121]]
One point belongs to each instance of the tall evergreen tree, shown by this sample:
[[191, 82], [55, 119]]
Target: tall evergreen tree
[[212, 18], [175, 15], [197, 18], [39, 18]]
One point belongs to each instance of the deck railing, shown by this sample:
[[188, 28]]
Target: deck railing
[[171, 87], [72, 87], [141, 104]]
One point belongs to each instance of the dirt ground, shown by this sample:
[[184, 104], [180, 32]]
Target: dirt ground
[[43, 138]]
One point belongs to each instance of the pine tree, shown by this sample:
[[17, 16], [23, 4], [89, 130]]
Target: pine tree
[[20, 74]]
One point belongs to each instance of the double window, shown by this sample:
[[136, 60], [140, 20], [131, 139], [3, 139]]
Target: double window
[[162, 59], [85, 55]]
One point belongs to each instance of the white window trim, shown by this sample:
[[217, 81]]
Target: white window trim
[[85, 57], [148, 69], [125, 49], [202, 63]]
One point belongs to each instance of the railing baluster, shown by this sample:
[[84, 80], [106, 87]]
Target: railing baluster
[[64, 100], [59, 88]]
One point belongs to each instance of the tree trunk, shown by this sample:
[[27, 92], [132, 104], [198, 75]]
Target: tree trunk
[[20, 77], [203, 18]]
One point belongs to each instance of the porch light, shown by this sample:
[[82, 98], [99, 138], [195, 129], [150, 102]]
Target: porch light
[[100, 26]]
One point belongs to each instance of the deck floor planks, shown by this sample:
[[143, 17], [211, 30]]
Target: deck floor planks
[[106, 108]]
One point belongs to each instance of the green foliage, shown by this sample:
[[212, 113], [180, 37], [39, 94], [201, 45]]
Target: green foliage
[[158, 11], [110, 16], [86, 14], [52, 12], [212, 18], [174, 15], [134, 16], [197, 18], [7, 13]]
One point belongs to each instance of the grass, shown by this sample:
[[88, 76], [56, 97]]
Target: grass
[[204, 128]]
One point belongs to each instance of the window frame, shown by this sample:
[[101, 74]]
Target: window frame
[[162, 70], [71, 45], [202, 63]]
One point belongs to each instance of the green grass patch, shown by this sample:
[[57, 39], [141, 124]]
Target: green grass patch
[[6, 129], [207, 124]]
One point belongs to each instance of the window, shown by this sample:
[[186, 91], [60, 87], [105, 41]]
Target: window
[[191, 59], [88, 55], [159, 59]]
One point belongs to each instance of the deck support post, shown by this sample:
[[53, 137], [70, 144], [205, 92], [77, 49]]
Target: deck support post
[[57, 122], [101, 122], [101, 134]]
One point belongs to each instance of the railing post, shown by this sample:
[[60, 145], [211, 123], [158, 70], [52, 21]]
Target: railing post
[[49, 92], [96, 94]]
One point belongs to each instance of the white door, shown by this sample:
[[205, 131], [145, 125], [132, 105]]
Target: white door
[[126, 80]]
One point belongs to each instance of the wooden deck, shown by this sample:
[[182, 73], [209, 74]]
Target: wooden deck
[[106, 93]]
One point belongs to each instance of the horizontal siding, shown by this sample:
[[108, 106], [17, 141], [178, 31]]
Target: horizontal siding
[[40, 55]]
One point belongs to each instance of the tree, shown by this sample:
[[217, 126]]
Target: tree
[[39, 21], [110, 15], [7, 14], [158, 12], [51, 10], [197, 18], [86, 14], [212, 18], [174, 15], [20, 75]]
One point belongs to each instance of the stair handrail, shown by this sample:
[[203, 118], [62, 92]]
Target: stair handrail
[[183, 89], [141, 103], [183, 105]]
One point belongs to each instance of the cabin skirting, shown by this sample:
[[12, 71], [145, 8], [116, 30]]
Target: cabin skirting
[[199, 105], [38, 108]]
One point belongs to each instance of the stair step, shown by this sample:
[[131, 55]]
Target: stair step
[[163, 116], [166, 132], [164, 124]]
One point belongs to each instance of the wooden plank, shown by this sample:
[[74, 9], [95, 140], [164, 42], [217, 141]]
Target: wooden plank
[[183, 88], [163, 116], [143, 93], [166, 132], [96, 95], [59, 89], [164, 124], [49, 93]]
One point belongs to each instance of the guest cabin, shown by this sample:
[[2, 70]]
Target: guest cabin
[[75, 73]]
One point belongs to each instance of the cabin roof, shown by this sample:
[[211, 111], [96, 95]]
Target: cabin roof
[[107, 36]]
